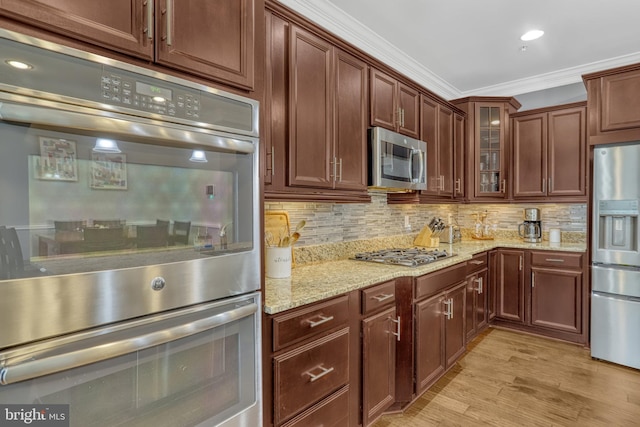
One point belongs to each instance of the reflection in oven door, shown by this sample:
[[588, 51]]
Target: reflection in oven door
[[203, 378]]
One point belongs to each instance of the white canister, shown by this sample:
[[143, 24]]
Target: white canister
[[277, 262], [554, 235]]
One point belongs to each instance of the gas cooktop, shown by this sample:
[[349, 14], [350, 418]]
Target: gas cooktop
[[411, 257]]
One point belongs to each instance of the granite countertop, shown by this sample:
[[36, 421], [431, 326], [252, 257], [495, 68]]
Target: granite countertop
[[313, 282]]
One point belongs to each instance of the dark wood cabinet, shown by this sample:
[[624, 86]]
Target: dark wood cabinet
[[557, 291], [209, 39], [381, 335], [437, 130], [613, 98], [477, 292], [439, 323], [543, 292], [308, 374], [488, 146], [315, 146], [549, 153], [492, 302], [510, 285], [394, 105], [459, 156]]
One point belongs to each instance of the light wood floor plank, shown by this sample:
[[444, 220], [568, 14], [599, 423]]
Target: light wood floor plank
[[507, 378]]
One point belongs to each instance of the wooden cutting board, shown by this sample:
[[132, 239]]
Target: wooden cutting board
[[277, 223]]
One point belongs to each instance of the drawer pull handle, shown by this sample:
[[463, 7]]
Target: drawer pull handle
[[480, 287], [554, 259], [476, 262], [323, 319], [382, 297], [315, 377]]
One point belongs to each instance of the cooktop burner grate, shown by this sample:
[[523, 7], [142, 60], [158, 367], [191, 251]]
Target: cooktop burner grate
[[411, 257]]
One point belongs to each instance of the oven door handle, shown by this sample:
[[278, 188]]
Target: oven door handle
[[59, 115], [61, 362]]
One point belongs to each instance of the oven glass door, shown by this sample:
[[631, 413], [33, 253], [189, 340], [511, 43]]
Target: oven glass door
[[77, 200], [199, 379]]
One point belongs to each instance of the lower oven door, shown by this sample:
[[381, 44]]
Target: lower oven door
[[198, 366]]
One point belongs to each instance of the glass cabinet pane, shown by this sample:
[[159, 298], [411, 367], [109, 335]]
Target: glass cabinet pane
[[489, 150]]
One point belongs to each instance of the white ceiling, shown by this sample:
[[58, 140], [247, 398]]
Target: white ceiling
[[460, 48]]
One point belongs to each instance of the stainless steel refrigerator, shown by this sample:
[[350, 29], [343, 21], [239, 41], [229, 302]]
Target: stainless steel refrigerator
[[615, 268]]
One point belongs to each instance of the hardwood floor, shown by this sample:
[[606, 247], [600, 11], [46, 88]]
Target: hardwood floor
[[512, 379]]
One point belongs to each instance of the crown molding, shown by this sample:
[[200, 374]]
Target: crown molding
[[335, 20]]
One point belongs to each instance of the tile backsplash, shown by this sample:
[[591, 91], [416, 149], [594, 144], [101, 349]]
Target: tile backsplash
[[334, 222]]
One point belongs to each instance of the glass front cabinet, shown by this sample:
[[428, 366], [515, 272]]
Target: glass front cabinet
[[488, 145]]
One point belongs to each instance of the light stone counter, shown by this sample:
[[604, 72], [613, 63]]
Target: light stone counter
[[316, 281]]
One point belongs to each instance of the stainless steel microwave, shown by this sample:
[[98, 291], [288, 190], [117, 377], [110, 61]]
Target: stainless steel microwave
[[396, 162]]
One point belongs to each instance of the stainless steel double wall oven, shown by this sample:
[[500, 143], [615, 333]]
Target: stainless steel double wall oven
[[130, 254]]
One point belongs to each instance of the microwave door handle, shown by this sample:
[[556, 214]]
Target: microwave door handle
[[35, 368], [421, 158]]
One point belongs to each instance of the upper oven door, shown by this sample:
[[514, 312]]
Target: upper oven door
[[123, 191]]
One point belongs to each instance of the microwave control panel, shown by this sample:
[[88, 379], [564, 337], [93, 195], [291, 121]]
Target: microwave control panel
[[166, 99]]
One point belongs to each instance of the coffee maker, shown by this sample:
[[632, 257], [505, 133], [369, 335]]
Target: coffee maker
[[531, 229]]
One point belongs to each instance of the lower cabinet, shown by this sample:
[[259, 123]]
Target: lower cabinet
[[380, 335], [477, 291], [439, 323], [543, 292], [308, 380]]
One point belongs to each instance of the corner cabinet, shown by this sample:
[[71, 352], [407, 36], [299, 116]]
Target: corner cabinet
[[315, 146], [488, 146], [613, 98], [209, 39], [394, 105], [550, 153], [477, 295]]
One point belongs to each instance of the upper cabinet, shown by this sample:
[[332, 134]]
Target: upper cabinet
[[549, 153], [614, 105], [209, 39], [488, 146], [459, 156], [394, 105], [316, 110], [437, 131]]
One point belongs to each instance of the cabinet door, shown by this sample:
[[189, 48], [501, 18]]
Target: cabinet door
[[492, 288], [209, 38], [510, 284], [378, 364], [409, 104], [530, 156], [310, 104], [121, 25], [567, 152], [481, 312], [459, 156], [384, 106], [556, 299], [429, 342], [454, 338], [429, 134], [470, 307], [490, 151], [350, 122], [445, 151], [276, 99]]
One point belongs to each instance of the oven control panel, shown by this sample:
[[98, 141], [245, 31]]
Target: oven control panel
[[166, 99]]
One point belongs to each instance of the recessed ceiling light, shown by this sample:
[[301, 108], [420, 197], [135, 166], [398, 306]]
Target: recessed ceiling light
[[19, 64], [532, 35]]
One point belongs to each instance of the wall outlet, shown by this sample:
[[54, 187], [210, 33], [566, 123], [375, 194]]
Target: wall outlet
[[407, 224]]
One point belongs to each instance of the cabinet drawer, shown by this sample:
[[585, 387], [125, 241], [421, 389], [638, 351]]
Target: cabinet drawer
[[431, 284], [557, 259], [378, 296], [331, 412], [477, 263], [307, 374], [309, 321]]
